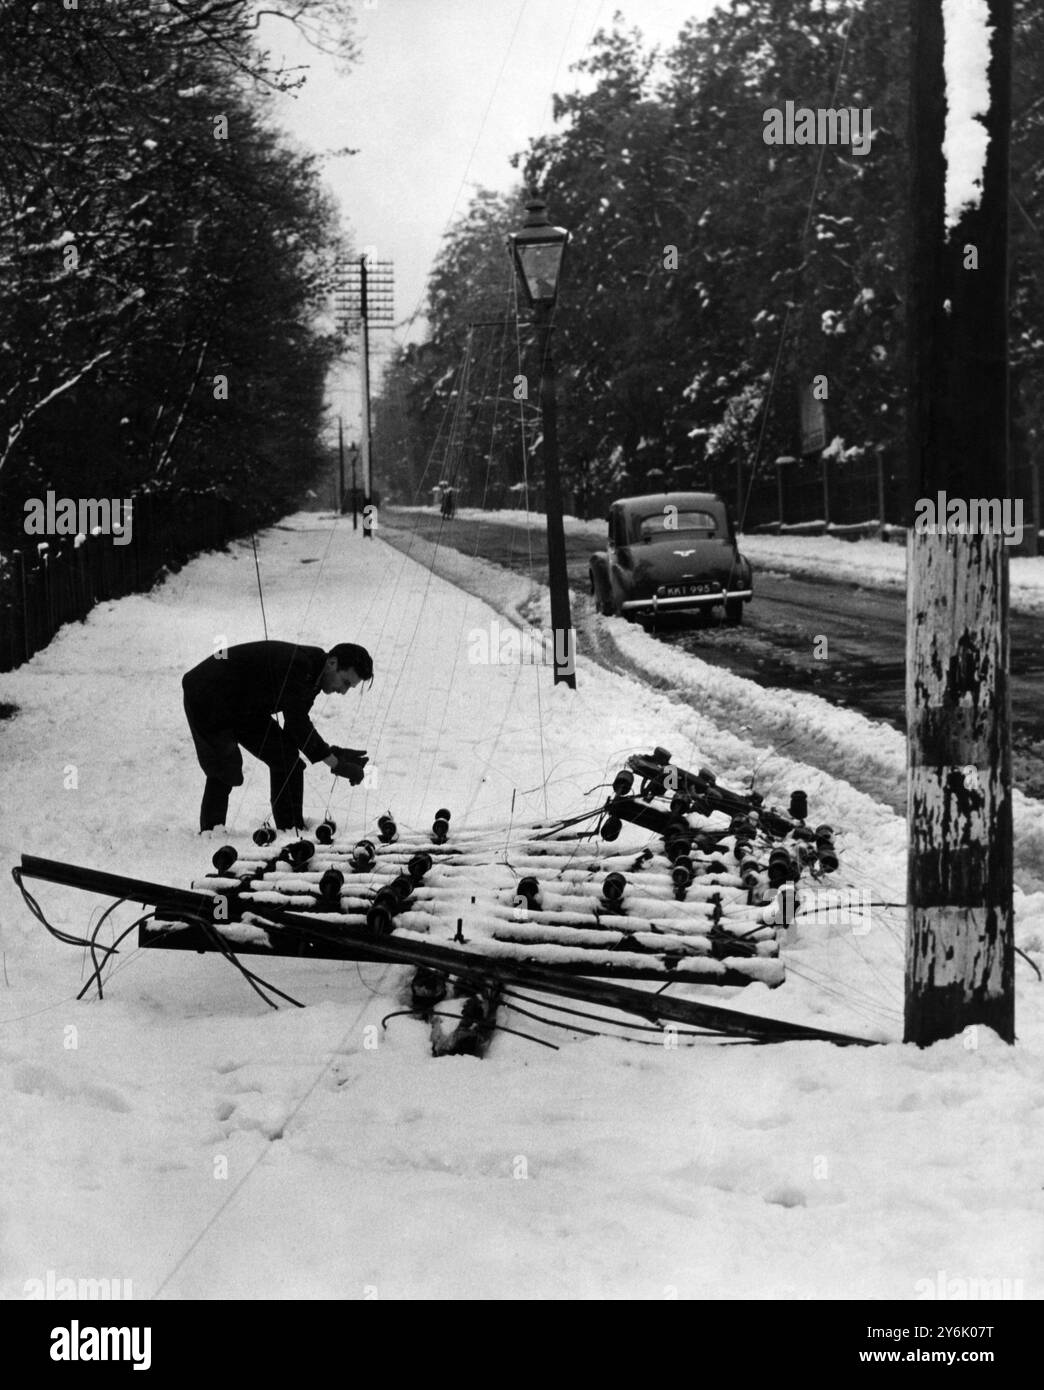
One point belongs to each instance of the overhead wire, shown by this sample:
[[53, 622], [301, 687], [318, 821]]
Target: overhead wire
[[456, 430], [512, 290], [454, 468]]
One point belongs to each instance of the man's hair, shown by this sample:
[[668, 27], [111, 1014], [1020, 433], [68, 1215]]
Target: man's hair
[[350, 656]]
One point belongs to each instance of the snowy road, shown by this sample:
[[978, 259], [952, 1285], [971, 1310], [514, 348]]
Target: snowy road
[[180, 1136], [863, 661]]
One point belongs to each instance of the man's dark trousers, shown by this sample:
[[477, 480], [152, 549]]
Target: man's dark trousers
[[217, 748]]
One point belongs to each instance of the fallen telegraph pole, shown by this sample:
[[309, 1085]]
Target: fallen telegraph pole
[[672, 880], [298, 934]]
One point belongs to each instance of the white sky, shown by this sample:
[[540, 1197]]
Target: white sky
[[444, 93], [966, 60]]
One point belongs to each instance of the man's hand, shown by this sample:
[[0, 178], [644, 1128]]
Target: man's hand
[[352, 755], [348, 767]]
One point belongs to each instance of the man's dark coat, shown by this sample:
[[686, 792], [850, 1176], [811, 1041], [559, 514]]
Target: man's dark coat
[[259, 678]]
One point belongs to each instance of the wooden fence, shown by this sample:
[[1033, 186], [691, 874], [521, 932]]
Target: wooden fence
[[59, 580]]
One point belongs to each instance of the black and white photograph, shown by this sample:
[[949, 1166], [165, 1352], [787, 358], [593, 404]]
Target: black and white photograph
[[522, 669]]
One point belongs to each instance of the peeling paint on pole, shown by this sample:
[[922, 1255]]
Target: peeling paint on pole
[[960, 958], [960, 942]]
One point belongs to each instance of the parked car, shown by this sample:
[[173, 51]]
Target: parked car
[[670, 552]]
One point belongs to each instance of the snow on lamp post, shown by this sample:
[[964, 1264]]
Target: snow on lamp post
[[537, 251]]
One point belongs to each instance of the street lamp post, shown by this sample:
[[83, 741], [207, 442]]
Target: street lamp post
[[537, 252]]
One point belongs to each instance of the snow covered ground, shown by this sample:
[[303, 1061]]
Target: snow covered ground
[[181, 1136], [871, 563]]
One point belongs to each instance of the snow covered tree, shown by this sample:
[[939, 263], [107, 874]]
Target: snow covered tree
[[711, 276], [162, 256]]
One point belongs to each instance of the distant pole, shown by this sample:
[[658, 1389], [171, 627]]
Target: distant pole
[[960, 948], [20, 566], [355, 490], [367, 443], [782, 462], [739, 489], [824, 469], [365, 296], [340, 466]]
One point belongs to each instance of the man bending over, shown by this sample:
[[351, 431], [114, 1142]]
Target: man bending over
[[231, 700]]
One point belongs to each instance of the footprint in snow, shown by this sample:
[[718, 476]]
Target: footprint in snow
[[33, 1079], [265, 1115], [786, 1197]]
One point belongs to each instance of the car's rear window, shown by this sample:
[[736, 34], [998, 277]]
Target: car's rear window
[[659, 526]]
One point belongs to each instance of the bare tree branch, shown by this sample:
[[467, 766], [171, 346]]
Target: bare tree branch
[[17, 429]]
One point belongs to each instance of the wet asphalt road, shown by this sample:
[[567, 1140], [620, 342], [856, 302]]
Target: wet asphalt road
[[865, 630]]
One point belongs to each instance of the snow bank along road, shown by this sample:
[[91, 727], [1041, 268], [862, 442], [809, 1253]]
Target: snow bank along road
[[182, 1138], [870, 755], [850, 592]]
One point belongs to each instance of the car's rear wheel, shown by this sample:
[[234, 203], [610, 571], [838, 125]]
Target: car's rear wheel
[[602, 601], [734, 611]]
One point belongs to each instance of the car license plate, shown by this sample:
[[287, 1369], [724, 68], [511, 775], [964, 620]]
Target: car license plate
[[686, 590]]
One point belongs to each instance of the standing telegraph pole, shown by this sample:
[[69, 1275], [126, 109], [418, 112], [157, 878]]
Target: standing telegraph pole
[[365, 437], [365, 296], [960, 948]]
